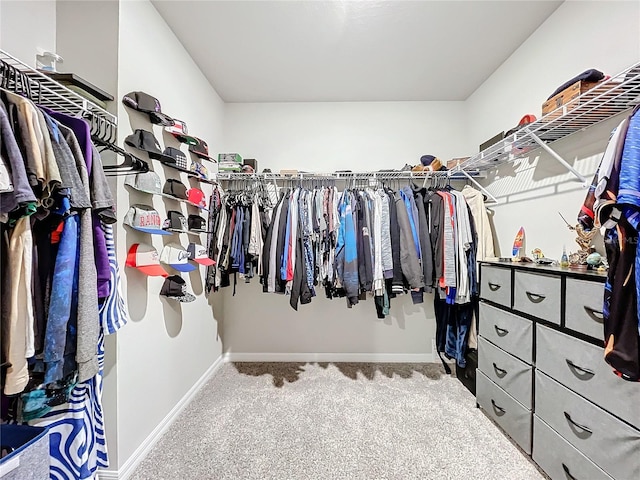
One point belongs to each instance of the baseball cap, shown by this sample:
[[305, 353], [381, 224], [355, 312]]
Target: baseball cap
[[196, 223], [175, 222], [145, 103], [175, 287], [180, 131], [174, 188], [196, 197], [198, 254], [145, 258], [145, 219], [176, 257], [148, 182], [147, 142], [201, 149], [200, 170], [179, 158]]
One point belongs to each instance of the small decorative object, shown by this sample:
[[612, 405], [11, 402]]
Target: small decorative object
[[594, 259], [583, 240], [517, 243], [564, 260], [537, 253]]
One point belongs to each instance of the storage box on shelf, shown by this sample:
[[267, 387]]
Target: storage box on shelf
[[542, 376]]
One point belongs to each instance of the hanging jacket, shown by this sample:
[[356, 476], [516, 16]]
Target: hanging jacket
[[346, 250], [425, 243], [299, 288], [435, 212], [411, 268], [397, 285]]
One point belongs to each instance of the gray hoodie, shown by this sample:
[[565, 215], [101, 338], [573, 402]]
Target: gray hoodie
[[411, 268]]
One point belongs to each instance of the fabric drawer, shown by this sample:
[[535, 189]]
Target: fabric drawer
[[512, 417], [538, 295], [495, 285], [508, 331], [580, 366], [558, 458], [605, 440], [583, 311], [512, 375], [29, 452]]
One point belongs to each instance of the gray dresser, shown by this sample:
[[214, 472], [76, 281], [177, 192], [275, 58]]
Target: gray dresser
[[542, 376]]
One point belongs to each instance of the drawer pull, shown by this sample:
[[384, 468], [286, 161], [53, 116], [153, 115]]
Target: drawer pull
[[581, 373], [494, 287], [499, 410], [568, 473], [535, 297], [501, 331], [596, 315], [581, 427], [501, 372]]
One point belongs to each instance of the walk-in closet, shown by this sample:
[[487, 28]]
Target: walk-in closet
[[319, 239]]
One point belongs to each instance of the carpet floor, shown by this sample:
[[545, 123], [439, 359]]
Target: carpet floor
[[334, 421]]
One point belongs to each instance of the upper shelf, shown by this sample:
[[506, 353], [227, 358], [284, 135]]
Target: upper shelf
[[609, 98]]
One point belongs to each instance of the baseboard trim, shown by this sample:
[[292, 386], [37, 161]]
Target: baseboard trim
[[142, 451], [331, 357]]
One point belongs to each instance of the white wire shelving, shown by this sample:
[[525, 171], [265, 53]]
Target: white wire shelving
[[45, 91], [611, 97]]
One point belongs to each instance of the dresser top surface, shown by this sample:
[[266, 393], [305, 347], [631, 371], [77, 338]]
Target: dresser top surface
[[549, 269]]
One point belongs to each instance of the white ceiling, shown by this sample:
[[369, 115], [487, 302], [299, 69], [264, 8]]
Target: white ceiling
[[310, 51]]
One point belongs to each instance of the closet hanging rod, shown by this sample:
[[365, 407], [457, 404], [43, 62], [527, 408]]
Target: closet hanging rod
[[47, 92]]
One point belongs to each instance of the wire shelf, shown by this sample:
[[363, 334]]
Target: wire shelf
[[392, 175], [49, 93], [609, 98]]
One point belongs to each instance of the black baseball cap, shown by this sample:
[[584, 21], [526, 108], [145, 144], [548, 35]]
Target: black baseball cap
[[145, 103], [175, 287], [197, 223], [201, 149], [175, 188], [175, 222], [147, 142], [179, 158]]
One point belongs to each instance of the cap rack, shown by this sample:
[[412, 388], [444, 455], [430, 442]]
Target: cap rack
[[20, 78]]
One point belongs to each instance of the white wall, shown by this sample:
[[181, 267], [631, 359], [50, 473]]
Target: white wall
[[167, 346], [26, 26], [327, 137], [578, 36]]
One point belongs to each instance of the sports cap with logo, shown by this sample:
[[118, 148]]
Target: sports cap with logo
[[175, 222], [145, 103], [175, 189], [176, 257], [145, 219], [147, 142], [180, 131], [148, 182], [145, 258], [197, 224], [200, 170], [198, 254], [201, 149], [175, 287], [196, 196], [179, 158]]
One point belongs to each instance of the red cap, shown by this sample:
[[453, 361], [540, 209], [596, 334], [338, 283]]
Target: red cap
[[146, 259], [196, 196]]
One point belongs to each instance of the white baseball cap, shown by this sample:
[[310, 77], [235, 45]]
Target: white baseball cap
[[198, 254], [177, 257]]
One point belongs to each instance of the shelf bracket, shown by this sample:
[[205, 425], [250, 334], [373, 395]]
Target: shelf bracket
[[558, 158], [482, 189]]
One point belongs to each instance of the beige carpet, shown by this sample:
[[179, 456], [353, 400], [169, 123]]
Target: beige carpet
[[334, 421]]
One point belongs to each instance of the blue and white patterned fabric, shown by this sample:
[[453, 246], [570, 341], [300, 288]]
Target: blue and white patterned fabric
[[78, 445]]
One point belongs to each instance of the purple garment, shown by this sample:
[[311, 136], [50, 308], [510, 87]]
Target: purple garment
[[102, 258], [81, 130]]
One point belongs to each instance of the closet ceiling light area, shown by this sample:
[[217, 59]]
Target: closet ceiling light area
[[323, 51]]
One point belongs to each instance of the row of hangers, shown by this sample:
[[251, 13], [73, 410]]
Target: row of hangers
[[103, 131]]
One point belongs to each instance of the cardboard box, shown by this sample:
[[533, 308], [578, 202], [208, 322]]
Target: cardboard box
[[453, 163], [230, 157], [567, 98], [229, 167]]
